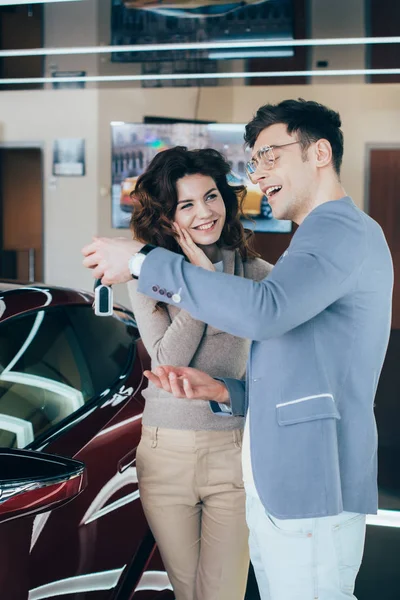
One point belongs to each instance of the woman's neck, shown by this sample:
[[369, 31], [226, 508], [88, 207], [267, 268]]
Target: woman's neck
[[213, 252]]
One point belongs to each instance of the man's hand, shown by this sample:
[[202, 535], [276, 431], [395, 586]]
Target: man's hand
[[109, 257], [185, 382]]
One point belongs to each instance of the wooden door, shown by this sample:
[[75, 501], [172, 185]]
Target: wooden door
[[384, 207], [21, 211]]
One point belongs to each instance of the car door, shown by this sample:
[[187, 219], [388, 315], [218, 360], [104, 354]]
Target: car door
[[70, 385]]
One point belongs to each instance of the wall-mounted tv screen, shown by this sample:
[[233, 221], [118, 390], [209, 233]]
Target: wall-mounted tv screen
[[135, 144]]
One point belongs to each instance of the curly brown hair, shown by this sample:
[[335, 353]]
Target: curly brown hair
[[155, 198]]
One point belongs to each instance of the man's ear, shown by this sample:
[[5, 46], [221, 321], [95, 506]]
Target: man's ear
[[323, 153]]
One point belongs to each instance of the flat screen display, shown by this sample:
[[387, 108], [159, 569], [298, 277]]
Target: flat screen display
[[135, 144]]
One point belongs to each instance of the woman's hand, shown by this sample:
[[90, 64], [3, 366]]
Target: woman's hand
[[186, 382], [192, 251]]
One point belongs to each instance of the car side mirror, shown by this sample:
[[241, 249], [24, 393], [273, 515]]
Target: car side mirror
[[34, 482]]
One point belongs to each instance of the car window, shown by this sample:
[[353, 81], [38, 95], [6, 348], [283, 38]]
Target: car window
[[52, 362]]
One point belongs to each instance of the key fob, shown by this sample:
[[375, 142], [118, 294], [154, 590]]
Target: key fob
[[103, 299]]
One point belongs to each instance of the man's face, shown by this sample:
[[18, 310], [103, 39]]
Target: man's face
[[289, 184]]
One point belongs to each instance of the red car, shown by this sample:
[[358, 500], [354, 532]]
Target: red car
[[71, 521]]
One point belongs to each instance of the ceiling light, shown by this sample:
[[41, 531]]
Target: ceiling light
[[14, 2], [201, 46], [180, 76], [225, 55]]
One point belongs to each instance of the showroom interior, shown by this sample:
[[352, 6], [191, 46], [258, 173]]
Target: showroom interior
[[84, 107]]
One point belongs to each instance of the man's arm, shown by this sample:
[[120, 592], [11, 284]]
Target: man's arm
[[324, 258], [170, 342]]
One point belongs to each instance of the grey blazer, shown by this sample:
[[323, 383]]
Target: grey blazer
[[320, 326]]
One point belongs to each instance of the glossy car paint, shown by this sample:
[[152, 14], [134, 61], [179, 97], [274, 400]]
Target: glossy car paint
[[99, 545], [33, 481]]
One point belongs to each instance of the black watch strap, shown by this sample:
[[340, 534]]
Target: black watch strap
[[147, 249]]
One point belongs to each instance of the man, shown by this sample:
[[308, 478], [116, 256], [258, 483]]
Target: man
[[320, 326]]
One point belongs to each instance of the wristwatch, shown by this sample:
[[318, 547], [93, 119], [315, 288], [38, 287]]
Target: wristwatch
[[136, 261]]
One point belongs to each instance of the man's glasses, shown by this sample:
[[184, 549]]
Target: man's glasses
[[263, 160]]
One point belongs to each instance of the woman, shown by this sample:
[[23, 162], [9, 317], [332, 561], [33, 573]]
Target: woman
[[189, 459]]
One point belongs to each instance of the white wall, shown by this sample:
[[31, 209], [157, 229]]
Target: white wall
[[338, 19], [71, 203], [70, 24], [342, 18]]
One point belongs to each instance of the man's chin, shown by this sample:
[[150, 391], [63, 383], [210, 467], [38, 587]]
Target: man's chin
[[279, 215]]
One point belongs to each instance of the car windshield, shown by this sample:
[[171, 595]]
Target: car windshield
[[55, 360]]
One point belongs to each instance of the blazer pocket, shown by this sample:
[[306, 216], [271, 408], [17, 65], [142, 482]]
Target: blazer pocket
[[308, 408]]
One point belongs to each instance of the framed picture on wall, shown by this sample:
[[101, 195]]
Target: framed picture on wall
[[69, 157], [67, 85], [135, 144]]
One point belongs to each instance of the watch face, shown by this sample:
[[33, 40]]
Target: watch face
[[130, 264], [135, 263], [133, 266]]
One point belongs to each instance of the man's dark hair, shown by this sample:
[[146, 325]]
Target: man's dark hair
[[310, 120]]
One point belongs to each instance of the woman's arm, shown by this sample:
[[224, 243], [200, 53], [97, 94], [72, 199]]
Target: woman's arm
[[167, 341]]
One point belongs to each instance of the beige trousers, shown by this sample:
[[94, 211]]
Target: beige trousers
[[192, 493]]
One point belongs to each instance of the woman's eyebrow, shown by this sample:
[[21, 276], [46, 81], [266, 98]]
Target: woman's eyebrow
[[191, 199]]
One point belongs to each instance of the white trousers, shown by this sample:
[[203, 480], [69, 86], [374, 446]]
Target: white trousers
[[304, 559]]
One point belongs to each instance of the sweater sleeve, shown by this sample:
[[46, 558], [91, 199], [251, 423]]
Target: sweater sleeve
[[169, 342]]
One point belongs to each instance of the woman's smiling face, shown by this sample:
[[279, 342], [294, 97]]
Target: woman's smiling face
[[200, 209]]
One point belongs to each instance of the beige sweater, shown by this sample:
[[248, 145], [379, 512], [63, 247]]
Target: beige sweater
[[172, 337]]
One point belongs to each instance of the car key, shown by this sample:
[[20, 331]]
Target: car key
[[103, 299]]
